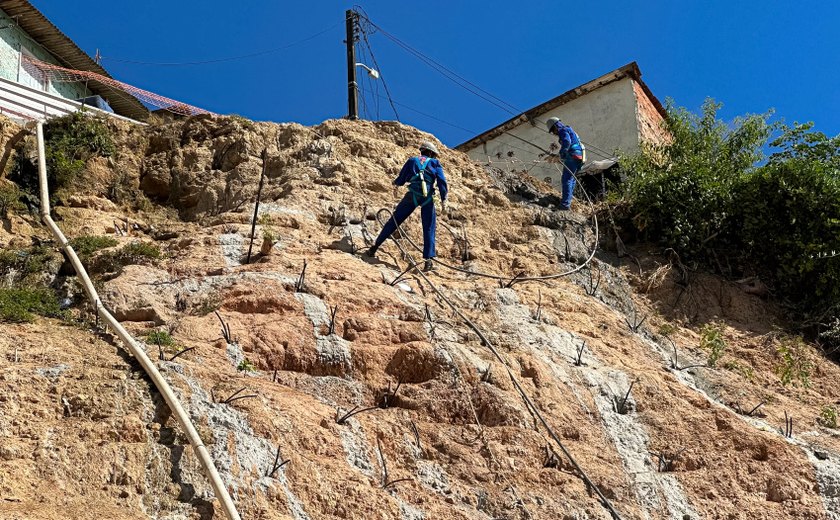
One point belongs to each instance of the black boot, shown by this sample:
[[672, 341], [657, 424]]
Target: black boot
[[428, 265], [371, 253]]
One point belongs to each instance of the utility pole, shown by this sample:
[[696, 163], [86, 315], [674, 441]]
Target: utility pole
[[352, 88]]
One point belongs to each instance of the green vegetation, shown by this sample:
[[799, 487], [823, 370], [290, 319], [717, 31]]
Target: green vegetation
[[27, 270], [211, 303], [682, 192], [711, 339], [139, 252], [246, 366], [21, 304], [9, 198], [86, 246], [828, 417], [160, 337], [666, 329], [746, 372], [266, 222], [712, 196], [794, 362], [70, 141], [26, 264], [142, 253]]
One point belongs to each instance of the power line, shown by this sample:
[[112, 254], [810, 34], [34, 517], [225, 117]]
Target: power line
[[473, 88], [470, 131], [451, 74], [229, 58], [430, 116], [364, 32]]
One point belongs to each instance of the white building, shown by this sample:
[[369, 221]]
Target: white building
[[614, 112], [26, 93]]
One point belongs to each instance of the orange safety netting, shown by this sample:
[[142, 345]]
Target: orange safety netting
[[42, 71]]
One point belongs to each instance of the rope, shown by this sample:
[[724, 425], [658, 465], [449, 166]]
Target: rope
[[517, 279], [486, 342]]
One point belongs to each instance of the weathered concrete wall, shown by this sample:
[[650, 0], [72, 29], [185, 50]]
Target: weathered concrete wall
[[12, 38], [605, 118], [649, 119]]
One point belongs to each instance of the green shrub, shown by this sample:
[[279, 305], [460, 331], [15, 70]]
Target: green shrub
[[666, 329], [130, 254], [711, 339], [70, 141], [682, 192], [86, 246], [745, 370], [794, 362], [160, 337], [27, 263], [790, 214], [706, 194], [139, 252], [828, 417], [10, 196], [20, 305], [246, 366]]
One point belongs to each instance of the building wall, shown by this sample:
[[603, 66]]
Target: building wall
[[605, 118], [12, 38], [650, 120]]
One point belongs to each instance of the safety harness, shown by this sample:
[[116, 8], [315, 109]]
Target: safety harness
[[420, 192], [577, 150]]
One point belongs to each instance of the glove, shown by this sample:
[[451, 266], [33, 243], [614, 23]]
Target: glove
[[443, 207]]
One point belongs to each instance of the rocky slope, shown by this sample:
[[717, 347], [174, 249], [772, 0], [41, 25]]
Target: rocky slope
[[84, 435]]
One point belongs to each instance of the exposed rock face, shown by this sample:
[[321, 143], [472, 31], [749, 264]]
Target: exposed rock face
[[441, 431], [140, 294]]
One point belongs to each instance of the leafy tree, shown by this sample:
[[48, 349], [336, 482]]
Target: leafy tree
[[706, 194], [682, 191]]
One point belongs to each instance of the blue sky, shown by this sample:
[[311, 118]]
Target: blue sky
[[752, 55]]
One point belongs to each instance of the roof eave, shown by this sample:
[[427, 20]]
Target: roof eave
[[630, 70], [39, 28]]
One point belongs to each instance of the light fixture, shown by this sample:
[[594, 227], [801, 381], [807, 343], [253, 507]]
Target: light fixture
[[373, 73]]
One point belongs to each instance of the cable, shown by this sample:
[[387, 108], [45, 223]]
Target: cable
[[430, 116], [449, 71], [473, 88], [230, 58], [376, 64], [473, 132], [524, 395], [517, 278]]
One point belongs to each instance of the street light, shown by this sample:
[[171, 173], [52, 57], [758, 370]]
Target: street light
[[373, 73]]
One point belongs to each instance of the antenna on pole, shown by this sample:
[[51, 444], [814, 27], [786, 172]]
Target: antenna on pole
[[352, 19]]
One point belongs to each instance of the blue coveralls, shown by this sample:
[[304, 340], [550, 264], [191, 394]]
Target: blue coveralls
[[571, 153], [433, 173]]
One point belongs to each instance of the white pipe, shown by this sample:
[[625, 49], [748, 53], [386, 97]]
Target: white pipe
[[133, 345]]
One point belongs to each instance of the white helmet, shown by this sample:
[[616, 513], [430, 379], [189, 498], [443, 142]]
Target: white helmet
[[430, 147], [551, 122]]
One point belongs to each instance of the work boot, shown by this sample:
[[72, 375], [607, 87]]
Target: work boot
[[428, 265], [371, 253]]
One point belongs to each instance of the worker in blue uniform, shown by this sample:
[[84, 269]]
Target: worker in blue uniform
[[422, 174], [572, 154]]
